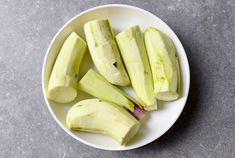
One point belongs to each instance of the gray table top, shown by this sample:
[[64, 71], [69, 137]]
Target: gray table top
[[206, 127]]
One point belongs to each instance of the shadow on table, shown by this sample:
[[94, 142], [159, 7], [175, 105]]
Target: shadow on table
[[189, 114]]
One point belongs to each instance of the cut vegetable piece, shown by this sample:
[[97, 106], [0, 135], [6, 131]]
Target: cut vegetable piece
[[94, 115], [164, 64], [131, 45], [105, 53], [62, 86], [95, 85]]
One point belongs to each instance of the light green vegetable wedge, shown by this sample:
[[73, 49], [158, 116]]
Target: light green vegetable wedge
[[164, 64], [95, 85], [133, 52], [105, 53], [62, 86], [94, 115]]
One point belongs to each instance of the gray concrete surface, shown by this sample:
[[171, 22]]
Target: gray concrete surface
[[205, 129]]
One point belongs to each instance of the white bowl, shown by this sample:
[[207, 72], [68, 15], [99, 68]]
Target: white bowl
[[120, 17]]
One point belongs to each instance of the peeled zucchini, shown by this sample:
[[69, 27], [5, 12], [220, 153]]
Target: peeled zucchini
[[133, 52], [95, 85], [164, 64], [104, 52], [94, 115], [62, 86]]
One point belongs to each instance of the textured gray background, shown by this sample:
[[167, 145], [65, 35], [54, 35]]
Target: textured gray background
[[205, 129]]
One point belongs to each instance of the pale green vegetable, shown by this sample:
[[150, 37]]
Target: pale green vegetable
[[133, 52], [164, 64], [105, 53], [94, 84], [94, 115], [62, 86]]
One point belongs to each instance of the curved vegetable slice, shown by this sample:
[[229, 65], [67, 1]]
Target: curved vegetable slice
[[104, 52], [133, 52], [94, 115], [95, 85], [164, 64], [62, 86]]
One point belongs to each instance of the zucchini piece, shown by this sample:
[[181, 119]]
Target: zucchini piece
[[62, 86], [164, 64], [133, 52], [104, 52], [95, 85], [97, 116]]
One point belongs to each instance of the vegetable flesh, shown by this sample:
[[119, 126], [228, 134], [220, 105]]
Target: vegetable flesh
[[94, 115], [133, 52], [95, 85], [62, 86], [105, 53], [164, 64]]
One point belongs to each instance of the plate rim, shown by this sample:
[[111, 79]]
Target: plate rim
[[46, 56]]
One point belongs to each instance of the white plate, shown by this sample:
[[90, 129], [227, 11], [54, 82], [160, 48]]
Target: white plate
[[120, 17]]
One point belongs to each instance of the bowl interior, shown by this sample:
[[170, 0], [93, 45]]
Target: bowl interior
[[120, 17]]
